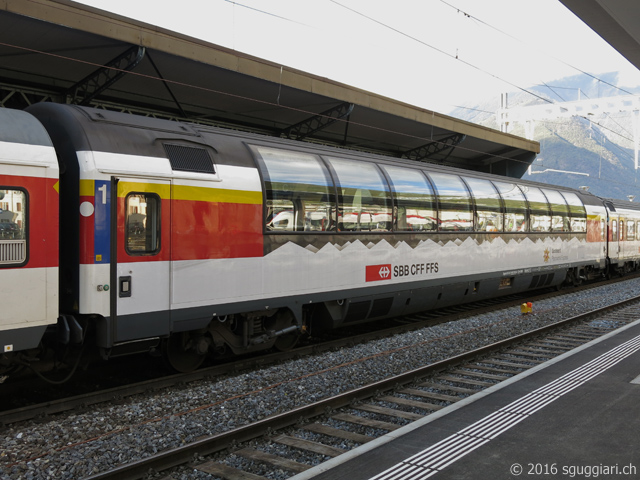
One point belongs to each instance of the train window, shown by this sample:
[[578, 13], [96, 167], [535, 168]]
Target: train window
[[415, 200], [142, 223], [614, 230], [13, 222], [515, 217], [454, 202], [539, 212], [559, 211], [300, 195], [577, 212], [364, 198], [631, 230], [488, 206]]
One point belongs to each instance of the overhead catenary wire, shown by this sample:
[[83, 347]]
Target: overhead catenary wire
[[454, 57], [546, 53]]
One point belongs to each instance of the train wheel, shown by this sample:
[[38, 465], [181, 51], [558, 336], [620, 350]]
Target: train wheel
[[185, 352], [286, 342]]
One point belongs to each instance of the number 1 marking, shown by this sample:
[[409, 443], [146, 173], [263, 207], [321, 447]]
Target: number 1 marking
[[103, 189]]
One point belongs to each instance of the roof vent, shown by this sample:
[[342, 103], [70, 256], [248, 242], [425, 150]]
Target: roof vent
[[189, 159]]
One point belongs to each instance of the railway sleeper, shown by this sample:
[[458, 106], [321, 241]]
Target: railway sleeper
[[329, 431], [274, 460]]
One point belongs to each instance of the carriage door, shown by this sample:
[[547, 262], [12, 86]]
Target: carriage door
[[142, 271], [614, 235]]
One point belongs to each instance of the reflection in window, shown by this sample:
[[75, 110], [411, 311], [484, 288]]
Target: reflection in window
[[515, 207], [415, 200], [540, 215], [365, 202], [455, 203], [559, 211], [142, 223], [300, 194], [577, 212], [488, 205], [13, 244]]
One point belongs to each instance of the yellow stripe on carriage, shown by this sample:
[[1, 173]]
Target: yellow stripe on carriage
[[217, 195], [189, 193]]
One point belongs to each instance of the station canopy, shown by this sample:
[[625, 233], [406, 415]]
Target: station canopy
[[62, 51], [615, 21]]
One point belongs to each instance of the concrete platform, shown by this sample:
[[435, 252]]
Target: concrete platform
[[576, 416]]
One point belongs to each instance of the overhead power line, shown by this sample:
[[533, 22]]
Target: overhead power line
[[454, 57], [529, 45]]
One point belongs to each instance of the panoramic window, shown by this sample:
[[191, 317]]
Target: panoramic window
[[13, 222], [489, 216], [577, 212], [515, 217], [454, 202], [142, 224], [415, 200], [539, 212], [364, 198], [559, 211], [299, 192]]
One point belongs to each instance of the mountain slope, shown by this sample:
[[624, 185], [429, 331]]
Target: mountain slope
[[600, 146]]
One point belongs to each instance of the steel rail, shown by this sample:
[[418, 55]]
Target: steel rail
[[184, 454]]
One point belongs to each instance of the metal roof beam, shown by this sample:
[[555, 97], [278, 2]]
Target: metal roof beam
[[83, 92], [318, 122], [423, 152]]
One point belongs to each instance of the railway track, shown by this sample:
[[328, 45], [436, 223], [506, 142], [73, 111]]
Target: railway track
[[86, 399], [327, 428]]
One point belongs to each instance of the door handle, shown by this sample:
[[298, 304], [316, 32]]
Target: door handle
[[125, 286]]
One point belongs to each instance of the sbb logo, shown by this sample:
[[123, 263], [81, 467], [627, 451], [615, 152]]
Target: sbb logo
[[376, 273]]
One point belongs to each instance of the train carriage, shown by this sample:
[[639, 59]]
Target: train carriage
[[28, 233], [623, 245], [195, 239]]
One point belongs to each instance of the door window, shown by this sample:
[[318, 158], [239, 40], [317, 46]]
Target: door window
[[142, 224]]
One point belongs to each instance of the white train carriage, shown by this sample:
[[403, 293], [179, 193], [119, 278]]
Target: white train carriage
[[28, 233], [623, 236], [206, 240]]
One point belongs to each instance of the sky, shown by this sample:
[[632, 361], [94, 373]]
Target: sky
[[433, 54]]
